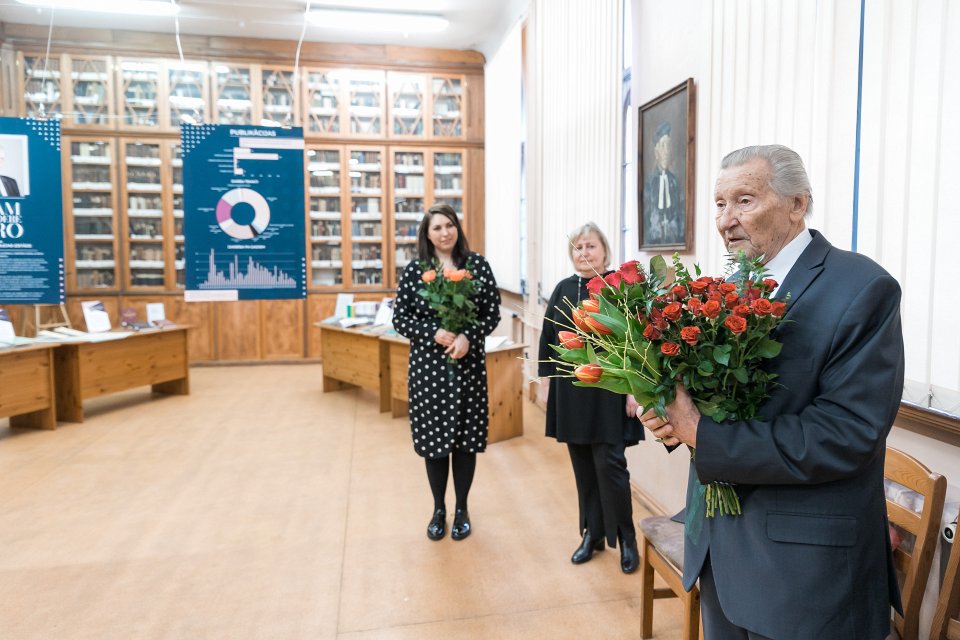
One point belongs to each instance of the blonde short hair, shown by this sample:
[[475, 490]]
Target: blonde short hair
[[584, 230]]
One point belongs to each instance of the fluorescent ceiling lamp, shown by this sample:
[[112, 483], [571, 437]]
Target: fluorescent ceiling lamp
[[381, 21], [131, 7]]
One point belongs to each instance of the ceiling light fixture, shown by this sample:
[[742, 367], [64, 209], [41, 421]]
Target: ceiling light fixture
[[130, 7], [381, 21]]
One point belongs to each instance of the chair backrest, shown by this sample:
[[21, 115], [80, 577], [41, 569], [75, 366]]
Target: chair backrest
[[914, 564], [946, 620]]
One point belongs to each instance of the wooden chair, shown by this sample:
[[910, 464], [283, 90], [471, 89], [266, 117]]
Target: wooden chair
[[914, 565], [946, 620], [663, 553]]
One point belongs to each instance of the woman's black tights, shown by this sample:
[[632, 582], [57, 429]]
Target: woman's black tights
[[438, 470]]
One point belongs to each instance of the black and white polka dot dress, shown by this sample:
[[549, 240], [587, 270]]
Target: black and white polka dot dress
[[447, 411]]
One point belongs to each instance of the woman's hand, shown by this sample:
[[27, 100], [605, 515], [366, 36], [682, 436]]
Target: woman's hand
[[543, 392], [445, 337], [633, 407], [458, 348]]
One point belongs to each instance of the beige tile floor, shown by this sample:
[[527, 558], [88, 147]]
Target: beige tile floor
[[259, 507]]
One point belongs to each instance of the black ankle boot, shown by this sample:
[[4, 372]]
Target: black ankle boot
[[461, 525], [585, 551], [438, 525], [629, 556]]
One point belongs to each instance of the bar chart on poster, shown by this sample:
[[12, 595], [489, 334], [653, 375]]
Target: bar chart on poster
[[243, 213]]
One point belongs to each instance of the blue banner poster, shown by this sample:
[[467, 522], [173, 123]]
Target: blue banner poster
[[31, 212], [243, 225]]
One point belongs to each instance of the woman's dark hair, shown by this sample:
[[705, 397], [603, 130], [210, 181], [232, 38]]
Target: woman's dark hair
[[425, 249]]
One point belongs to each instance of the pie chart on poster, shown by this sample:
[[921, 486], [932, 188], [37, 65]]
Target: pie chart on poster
[[244, 229]]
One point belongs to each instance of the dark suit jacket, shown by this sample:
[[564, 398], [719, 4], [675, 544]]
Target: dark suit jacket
[[810, 556], [13, 191]]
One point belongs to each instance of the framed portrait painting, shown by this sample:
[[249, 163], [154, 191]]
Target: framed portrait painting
[[665, 170]]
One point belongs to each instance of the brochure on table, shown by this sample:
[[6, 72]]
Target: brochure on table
[[96, 317]]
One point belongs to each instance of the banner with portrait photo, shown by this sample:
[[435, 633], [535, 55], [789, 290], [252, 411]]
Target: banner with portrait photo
[[31, 212], [244, 224]]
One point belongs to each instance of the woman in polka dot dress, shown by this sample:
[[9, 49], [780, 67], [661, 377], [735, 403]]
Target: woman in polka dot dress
[[448, 403]]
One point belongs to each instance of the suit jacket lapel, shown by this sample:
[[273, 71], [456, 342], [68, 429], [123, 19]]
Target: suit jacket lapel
[[807, 268]]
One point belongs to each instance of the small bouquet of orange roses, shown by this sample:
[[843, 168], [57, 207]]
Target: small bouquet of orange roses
[[643, 333], [449, 292]]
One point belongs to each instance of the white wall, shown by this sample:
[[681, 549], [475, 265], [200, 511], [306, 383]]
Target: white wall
[[786, 72]]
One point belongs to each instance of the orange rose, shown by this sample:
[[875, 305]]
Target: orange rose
[[458, 275], [570, 340], [690, 335], [672, 311], [670, 349], [727, 287], [736, 324], [711, 309], [447, 271], [589, 373], [779, 308], [429, 276], [762, 307], [650, 332], [693, 306]]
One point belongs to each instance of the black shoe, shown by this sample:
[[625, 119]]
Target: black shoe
[[629, 556], [438, 525], [585, 551], [461, 525]]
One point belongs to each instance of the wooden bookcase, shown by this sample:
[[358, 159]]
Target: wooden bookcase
[[389, 132]]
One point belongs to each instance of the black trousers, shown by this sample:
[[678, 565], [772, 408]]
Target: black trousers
[[716, 626], [603, 487]]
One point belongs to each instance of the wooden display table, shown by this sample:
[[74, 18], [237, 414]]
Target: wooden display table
[[89, 369], [354, 358], [26, 386], [504, 386]]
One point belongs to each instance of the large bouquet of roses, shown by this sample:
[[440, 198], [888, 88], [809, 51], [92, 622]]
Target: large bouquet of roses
[[449, 292], [643, 332]]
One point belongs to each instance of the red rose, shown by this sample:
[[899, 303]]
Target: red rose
[[672, 311], [730, 300], [429, 276], [770, 284], [595, 284], [693, 306], [631, 272], [656, 317], [715, 295], [711, 309], [779, 308], [614, 279], [570, 340], [679, 291], [690, 335], [590, 305], [742, 310], [762, 307], [670, 349], [651, 332], [736, 324], [698, 287], [754, 293], [727, 287], [589, 373]]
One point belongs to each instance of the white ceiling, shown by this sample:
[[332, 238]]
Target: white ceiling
[[474, 24]]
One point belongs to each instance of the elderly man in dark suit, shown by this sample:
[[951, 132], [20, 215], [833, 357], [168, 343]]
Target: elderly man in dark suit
[[810, 556]]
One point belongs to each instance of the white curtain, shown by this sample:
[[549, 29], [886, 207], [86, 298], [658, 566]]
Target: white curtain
[[503, 116]]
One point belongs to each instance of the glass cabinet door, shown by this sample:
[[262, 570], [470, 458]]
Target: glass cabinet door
[[91, 182], [407, 93], [448, 180], [365, 90], [139, 94], [279, 94], [233, 93], [409, 203], [186, 93], [448, 107], [176, 200], [41, 85], [326, 232], [143, 191], [91, 92], [366, 216], [322, 93]]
